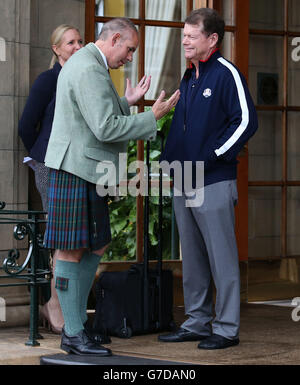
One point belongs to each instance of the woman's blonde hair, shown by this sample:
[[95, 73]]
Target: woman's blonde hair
[[56, 39]]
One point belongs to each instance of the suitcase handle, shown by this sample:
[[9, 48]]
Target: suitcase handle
[[147, 206], [146, 239]]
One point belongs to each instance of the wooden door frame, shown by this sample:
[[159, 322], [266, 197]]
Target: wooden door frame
[[242, 62]]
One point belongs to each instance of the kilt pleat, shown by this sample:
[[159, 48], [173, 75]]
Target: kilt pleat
[[68, 219]]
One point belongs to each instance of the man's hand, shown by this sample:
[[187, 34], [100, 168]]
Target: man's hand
[[134, 94], [161, 107]]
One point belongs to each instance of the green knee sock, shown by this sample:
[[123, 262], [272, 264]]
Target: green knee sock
[[67, 287], [88, 267]]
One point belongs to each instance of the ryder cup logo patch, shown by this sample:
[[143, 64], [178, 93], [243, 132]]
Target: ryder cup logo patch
[[207, 93]]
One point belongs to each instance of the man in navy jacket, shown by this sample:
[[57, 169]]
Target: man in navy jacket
[[213, 120]]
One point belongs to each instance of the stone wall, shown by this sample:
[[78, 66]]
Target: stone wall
[[25, 29]]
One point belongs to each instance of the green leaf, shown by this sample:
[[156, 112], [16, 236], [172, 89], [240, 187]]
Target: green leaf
[[120, 225], [154, 154]]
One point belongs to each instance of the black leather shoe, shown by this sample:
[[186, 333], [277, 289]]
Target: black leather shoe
[[181, 335], [215, 341], [81, 344], [100, 338]]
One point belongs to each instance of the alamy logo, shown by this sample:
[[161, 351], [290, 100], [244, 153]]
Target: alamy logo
[[2, 310], [296, 51], [188, 179], [2, 49], [296, 311]]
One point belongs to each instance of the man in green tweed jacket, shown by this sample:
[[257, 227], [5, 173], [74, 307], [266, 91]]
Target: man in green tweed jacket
[[92, 124]]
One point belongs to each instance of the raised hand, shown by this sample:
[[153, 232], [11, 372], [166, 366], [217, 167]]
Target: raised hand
[[161, 107], [134, 94]]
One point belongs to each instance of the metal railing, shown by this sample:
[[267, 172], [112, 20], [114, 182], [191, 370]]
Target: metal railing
[[27, 224]]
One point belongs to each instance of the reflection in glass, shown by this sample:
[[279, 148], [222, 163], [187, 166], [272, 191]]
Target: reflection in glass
[[293, 146], [99, 11], [265, 148], [293, 215], [167, 10], [227, 47], [265, 57], [294, 15], [264, 222], [164, 59], [228, 13], [294, 72], [117, 8], [227, 10], [267, 14]]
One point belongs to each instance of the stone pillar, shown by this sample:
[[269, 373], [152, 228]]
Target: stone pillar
[[25, 29], [14, 84], [45, 16]]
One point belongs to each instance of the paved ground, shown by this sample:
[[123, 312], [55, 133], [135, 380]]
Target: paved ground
[[268, 336]]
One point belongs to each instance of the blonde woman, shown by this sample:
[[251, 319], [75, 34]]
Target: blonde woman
[[35, 129]]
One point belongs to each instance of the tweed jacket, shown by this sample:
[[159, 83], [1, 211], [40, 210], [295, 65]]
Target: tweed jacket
[[92, 123]]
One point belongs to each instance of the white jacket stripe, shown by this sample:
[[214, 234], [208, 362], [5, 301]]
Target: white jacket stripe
[[244, 107]]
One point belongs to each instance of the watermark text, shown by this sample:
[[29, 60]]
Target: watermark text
[[296, 311], [2, 310], [2, 49], [296, 51], [187, 179]]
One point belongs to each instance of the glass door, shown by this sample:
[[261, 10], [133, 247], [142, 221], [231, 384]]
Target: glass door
[[274, 177]]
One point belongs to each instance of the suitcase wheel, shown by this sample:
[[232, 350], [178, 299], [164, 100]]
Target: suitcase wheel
[[125, 332]]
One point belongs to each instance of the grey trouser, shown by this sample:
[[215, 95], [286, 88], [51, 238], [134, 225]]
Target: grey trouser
[[209, 251]]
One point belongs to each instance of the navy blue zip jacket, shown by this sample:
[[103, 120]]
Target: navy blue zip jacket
[[214, 118], [36, 121]]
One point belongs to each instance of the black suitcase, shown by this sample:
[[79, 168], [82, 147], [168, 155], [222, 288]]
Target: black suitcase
[[139, 300]]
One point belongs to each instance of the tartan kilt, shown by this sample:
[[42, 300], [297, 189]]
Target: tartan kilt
[[77, 216]]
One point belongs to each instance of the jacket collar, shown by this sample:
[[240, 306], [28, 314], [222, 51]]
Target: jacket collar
[[211, 56], [203, 64], [95, 51], [102, 55]]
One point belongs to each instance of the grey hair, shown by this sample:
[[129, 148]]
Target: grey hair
[[119, 24]]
